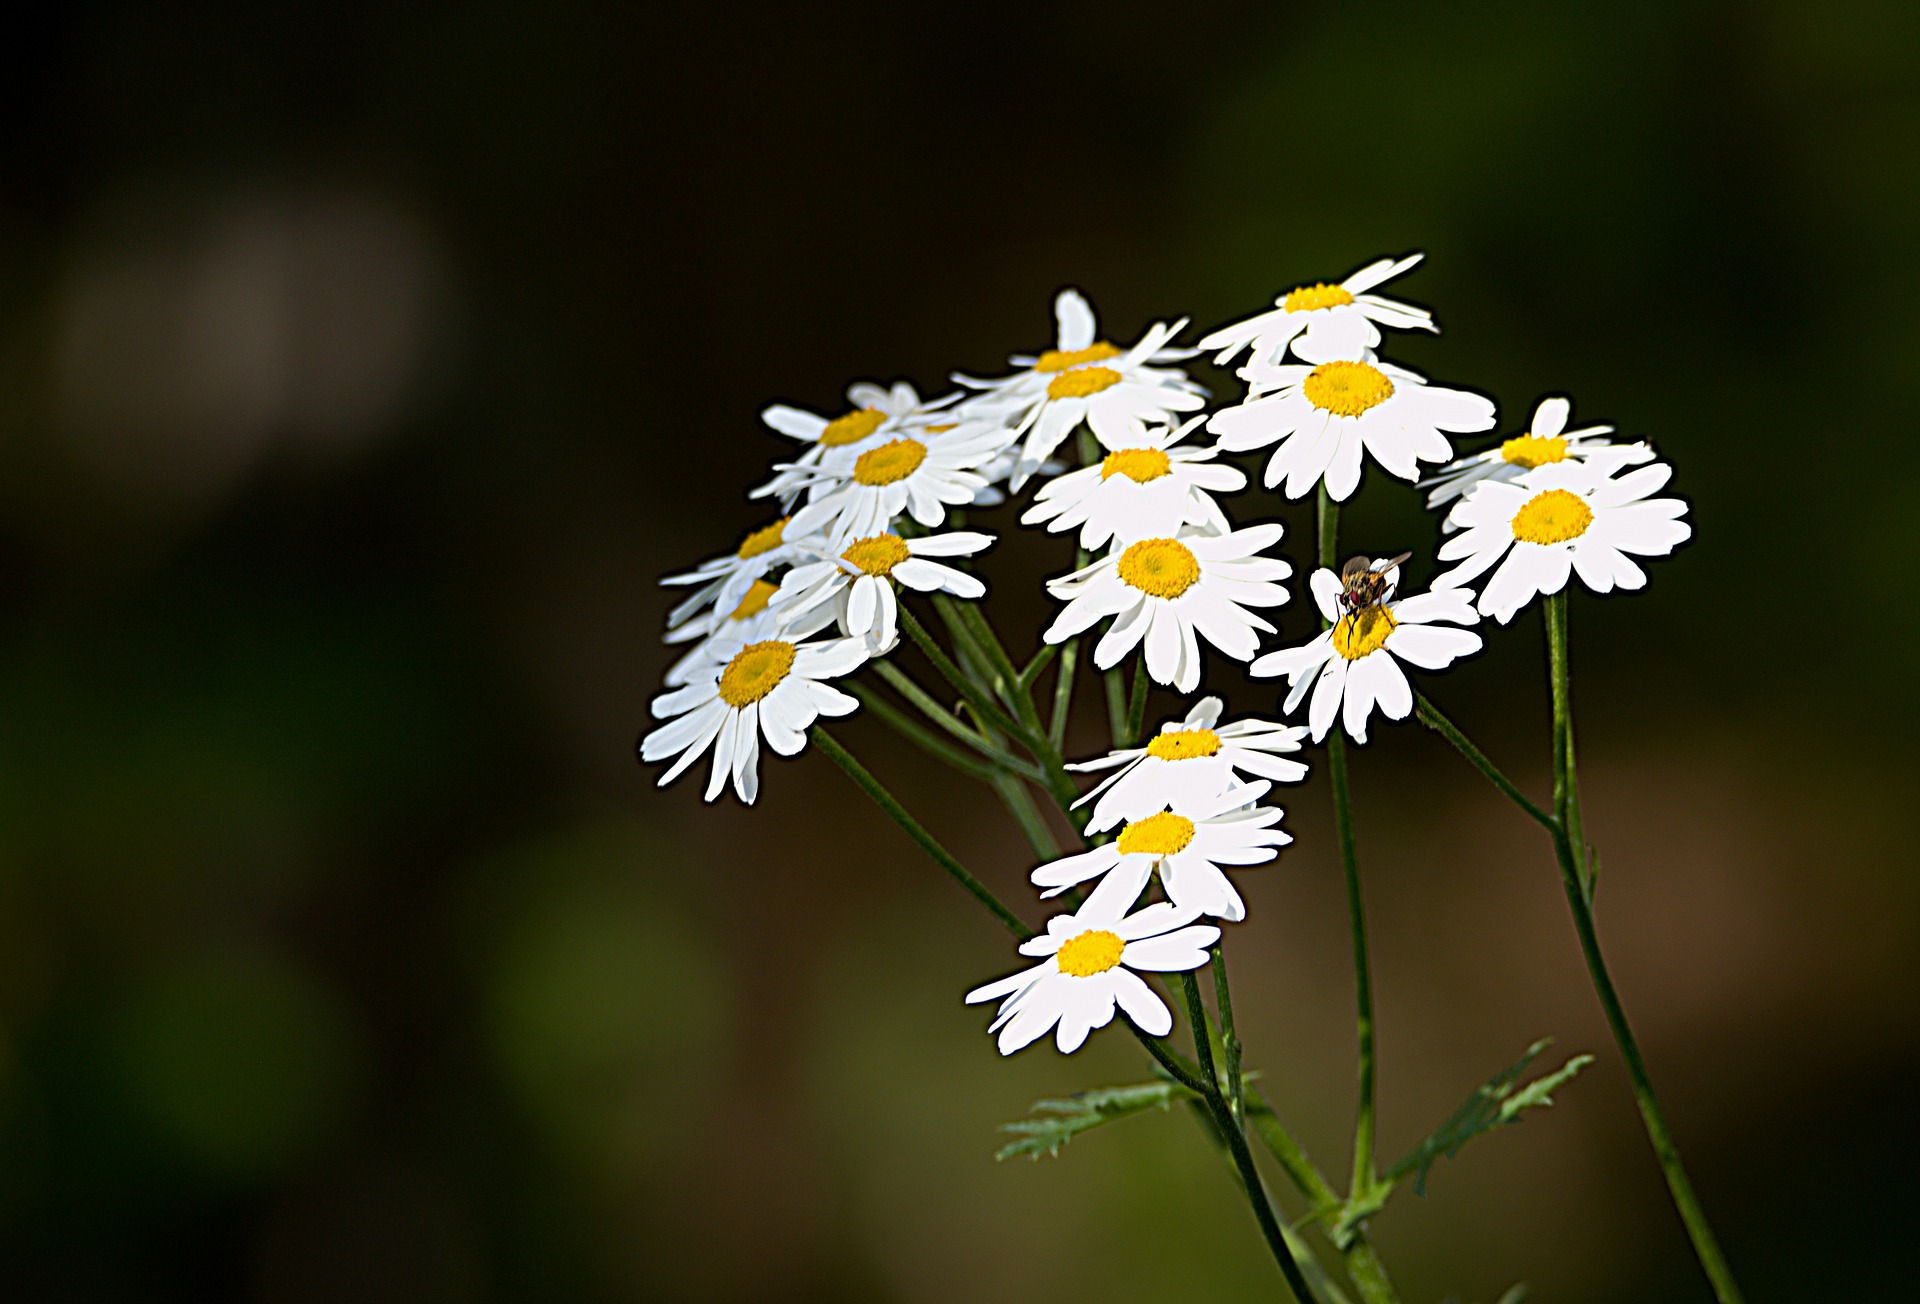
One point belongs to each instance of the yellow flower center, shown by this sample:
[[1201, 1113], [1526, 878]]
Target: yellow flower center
[[851, 428], [1082, 383], [755, 671], [1308, 297], [878, 555], [1346, 389], [1184, 744], [892, 461], [1156, 835], [1065, 360], [1554, 516], [1355, 635], [1166, 568], [1529, 451], [1094, 951], [1137, 464], [756, 600], [764, 539]]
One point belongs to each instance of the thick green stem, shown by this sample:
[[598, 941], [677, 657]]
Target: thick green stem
[[1236, 1139], [1229, 1041], [898, 813], [1571, 854], [1063, 694], [1137, 707]]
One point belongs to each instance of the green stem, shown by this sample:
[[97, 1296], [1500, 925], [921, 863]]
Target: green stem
[[981, 701], [1116, 683], [1566, 804], [1430, 716], [1063, 694], [1041, 660], [1237, 1142], [1137, 708], [910, 729], [1033, 825], [923, 701], [912, 827], [1229, 1042]]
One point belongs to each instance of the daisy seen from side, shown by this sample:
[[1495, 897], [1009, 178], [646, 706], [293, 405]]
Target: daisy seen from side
[[1354, 665], [721, 582], [874, 415], [1188, 760], [1154, 486], [1331, 320], [1545, 442]]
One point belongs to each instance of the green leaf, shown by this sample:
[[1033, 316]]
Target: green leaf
[[1494, 1105], [1057, 1122]]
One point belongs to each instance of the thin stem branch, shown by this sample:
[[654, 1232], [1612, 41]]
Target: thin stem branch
[[913, 829], [1033, 825], [1229, 1042], [924, 702], [1430, 716], [920, 736], [1116, 684], [1137, 708], [1063, 694], [1706, 1247], [981, 701]]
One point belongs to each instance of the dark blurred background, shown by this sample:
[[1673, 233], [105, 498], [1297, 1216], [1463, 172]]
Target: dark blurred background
[[363, 366]]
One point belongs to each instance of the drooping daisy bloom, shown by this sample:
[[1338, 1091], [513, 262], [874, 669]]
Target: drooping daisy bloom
[[1562, 518], [1332, 321], [921, 474], [1189, 760], [1089, 968], [1323, 415], [1187, 841], [1152, 487], [876, 415], [1167, 590], [724, 580], [1545, 442], [773, 687], [1354, 662], [1117, 392], [855, 585]]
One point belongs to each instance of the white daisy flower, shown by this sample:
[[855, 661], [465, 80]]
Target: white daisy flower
[[724, 581], [921, 474], [1187, 841], [1091, 956], [1546, 441], [1333, 321], [1562, 518], [1153, 486], [773, 687], [876, 415], [1357, 660], [855, 586], [1189, 760], [1167, 590], [1323, 415], [1116, 392]]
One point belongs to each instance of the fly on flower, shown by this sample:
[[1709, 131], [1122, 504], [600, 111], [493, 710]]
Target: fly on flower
[[1329, 321], [1190, 759], [1545, 442]]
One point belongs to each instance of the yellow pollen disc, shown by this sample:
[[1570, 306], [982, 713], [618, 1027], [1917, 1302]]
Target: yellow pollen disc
[[1166, 568], [891, 462], [1082, 383], [878, 555], [755, 671], [1530, 451], [1346, 389], [851, 428], [1090, 953], [764, 539], [1156, 835], [941, 430], [1058, 360], [1552, 517], [1137, 464], [1308, 297], [756, 600], [1355, 635], [1185, 744]]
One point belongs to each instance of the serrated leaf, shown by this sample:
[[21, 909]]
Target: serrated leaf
[[1057, 1122], [1494, 1105]]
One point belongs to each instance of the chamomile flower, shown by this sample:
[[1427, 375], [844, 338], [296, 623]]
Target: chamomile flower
[[775, 687], [1189, 760], [1564, 518], [1356, 662], [1186, 841], [1152, 487], [723, 581], [1116, 392], [921, 474], [1091, 956], [1168, 590], [1546, 441], [856, 586], [875, 415], [749, 622], [1332, 321], [1323, 415]]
